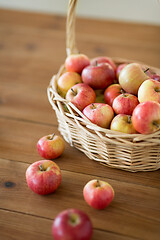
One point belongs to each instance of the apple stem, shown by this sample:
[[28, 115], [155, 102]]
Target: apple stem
[[93, 106], [96, 63], [73, 91], [123, 92], [52, 136], [41, 167], [129, 118], [146, 70], [98, 184]]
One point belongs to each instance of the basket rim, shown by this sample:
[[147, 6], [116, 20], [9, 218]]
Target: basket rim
[[134, 138]]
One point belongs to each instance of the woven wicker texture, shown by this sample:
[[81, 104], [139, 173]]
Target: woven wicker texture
[[131, 152]]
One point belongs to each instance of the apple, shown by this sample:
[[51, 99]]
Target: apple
[[66, 81], [151, 73], [112, 92], [119, 69], [146, 117], [98, 76], [81, 95], [98, 194], [155, 77], [43, 177], [123, 123], [72, 224], [100, 114], [76, 62], [50, 146], [131, 77], [104, 59], [125, 103], [149, 91]]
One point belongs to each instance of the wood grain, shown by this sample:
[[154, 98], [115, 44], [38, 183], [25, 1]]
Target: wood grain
[[21, 137], [32, 48], [123, 211], [15, 225]]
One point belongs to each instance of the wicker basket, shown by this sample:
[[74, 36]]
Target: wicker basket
[[131, 152]]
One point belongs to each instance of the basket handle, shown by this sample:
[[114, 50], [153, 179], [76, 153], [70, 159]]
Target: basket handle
[[70, 28]]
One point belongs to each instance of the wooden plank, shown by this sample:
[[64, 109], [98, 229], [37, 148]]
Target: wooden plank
[[18, 141], [33, 228], [134, 207], [32, 48]]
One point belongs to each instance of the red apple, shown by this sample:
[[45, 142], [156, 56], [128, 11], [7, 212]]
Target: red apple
[[99, 113], [119, 69], [50, 146], [156, 77], [125, 103], [43, 177], [149, 91], [76, 63], [66, 81], [72, 224], [99, 76], [81, 95], [146, 117], [111, 93], [123, 123], [151, 73], [98, 194], [103, 59], [131, 77]]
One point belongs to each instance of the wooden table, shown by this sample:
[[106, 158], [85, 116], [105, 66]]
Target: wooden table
[[32, 48]]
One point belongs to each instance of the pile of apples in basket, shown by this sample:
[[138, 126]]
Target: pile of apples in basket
[[124, 97]]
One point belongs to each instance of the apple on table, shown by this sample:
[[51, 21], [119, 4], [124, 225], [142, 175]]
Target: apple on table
[[98, 194], [81, 95], [50, 146], [72, 224], [43, 177]]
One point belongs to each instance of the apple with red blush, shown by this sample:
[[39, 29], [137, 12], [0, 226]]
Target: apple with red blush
[[66, 81], [98, 76], [76, 62], [156, 77], [119, 69], [112, 92], [123, 123], [72, 224], [146, 117], [131, 77], [43, 177], [81, 95], [98, 194], [50, 146], [149, 91], [104, 59], [125, 103], [100, 114]]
